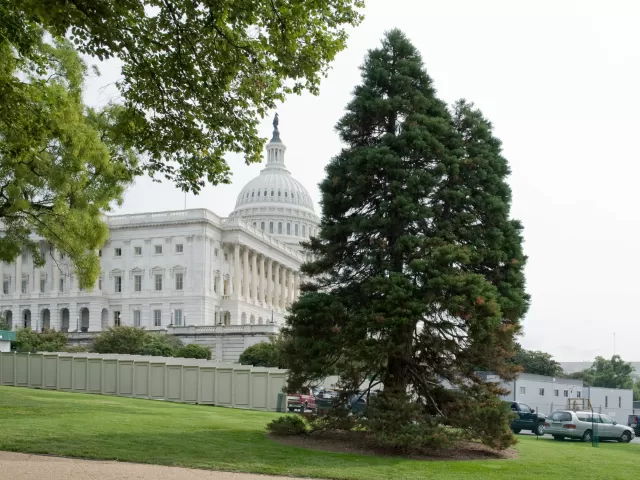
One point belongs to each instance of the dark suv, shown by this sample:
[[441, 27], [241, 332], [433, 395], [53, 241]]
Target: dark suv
[[527, 419]]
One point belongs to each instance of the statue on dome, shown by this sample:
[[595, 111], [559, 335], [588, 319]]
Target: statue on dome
[[276, 132]]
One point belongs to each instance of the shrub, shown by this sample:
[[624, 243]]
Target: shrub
[[125, 339], [394, 421], [76, 349], [263, 354], [158, 344], [48, 341], [287, 425], [194, 351]]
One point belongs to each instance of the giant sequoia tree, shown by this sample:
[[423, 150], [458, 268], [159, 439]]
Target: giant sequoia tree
[[418, 277]]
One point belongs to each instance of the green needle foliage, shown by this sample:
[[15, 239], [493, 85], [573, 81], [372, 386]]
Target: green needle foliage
[[197, 75], [61, 164], [418, 272]]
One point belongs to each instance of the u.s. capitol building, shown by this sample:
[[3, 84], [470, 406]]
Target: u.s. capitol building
[[226, 282]]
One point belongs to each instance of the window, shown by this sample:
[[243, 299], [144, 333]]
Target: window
[[279, 193], [158, 249], [61, 285], [258, 192], [296, 229], [118, 252], [605, 419], [179, 248], [556, 393], [579, 394], [43, 284], [137, 283], [158, 282], [566, 393], [24, 285], [5, 286], [62, 255], [99, 283], [226, 257], [561, 417], [157, 318], [262, 226], [304, 230], [136, 318], [118, 284], [279, 227], [288, 229], [215, 252], [254, 224], [619, 402], [226, 287], [179, 281], [137, 251], [541, 392], [285, 194], [252, 194], [606, 402], [177, 318], [116, 318], [523, 390], [215, 284], [265, 193], [272, 193], [270, 227]]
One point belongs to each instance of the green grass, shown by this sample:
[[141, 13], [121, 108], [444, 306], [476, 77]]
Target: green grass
[[101, 427]]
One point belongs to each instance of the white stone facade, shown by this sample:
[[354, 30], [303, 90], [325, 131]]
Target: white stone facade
[[178, 268]]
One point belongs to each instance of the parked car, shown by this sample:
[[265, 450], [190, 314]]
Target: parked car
[[301, 401], [527, 419], [580, 425]]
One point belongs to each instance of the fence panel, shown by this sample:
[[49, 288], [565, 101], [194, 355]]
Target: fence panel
[[158, 378]]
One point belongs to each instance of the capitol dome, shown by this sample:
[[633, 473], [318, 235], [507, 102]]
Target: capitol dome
[[275, 202]]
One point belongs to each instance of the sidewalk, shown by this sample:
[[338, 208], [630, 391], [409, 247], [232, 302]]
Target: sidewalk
[[20, 466]]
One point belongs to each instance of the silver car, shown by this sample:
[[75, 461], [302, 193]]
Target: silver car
[[568, 424]]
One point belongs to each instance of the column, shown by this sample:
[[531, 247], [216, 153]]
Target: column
[[18, 282], [262, 279], [254, 276], [236, 270], [36, 280], [245, 273], [276, 297], [269, 281], [291, 287], [285, 287], [55, 269], [2, 278], [221, 281]]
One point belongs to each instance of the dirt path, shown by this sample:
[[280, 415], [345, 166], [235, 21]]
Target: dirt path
[[20, 466]]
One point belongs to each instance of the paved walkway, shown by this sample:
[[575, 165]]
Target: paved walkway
[[20, 466]]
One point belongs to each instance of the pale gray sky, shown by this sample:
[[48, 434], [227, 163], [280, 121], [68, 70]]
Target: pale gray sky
[[559, 81]]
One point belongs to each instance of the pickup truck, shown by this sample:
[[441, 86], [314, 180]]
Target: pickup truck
[[300, 401], [527, 419]]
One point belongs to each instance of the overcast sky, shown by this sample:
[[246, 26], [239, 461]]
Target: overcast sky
[[559, 80]]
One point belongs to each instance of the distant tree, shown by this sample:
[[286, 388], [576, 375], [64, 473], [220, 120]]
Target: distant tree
[[636, 391], [193, 350], [537, 362], [4, 325], [614, 373], [263, 354], [158, 345]]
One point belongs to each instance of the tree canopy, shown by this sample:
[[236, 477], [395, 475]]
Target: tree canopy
[[537, 362], [418, 272], [613, 373], [197, 75], [263, 354], [60, 167]]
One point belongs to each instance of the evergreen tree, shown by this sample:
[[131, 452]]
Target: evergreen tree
[[418, 276]]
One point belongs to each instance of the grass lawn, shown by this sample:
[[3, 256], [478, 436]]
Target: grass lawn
[[145, 431]]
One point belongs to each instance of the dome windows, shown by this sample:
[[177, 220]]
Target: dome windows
[[279, 193], [261, 224], [252, 194], [272, 193], [296, 229], [270, 227], [304, 230], [285, 194], [258, 192], [280, 228], [288, 229]]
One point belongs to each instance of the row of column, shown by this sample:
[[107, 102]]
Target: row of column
[[17, 277], [279, 288]]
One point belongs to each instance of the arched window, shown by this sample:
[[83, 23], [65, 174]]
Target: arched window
[[254, 224], [285, 194], [265, 193], [293, 195], [279, 227], [258, 192], [279, 193], [296, 229], [272, 193], [304, 230], [270, 227], [288, 229], [252, 194], [262, 226]]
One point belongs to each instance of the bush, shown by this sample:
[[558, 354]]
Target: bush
[[394, 421], [263, 354], [48, 341], [158, 344], [287, 425], [76, 349], [194, 351], [128, 340]]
